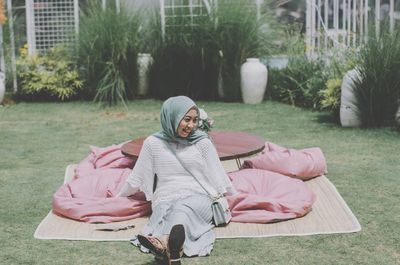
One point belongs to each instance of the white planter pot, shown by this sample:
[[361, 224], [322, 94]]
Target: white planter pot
[[220, 87], [144, 62], [253, 75], [348, 107], [397, 117], [2, 86]]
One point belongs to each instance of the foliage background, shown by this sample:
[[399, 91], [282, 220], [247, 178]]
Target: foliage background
[[107, 53], [377, 88]]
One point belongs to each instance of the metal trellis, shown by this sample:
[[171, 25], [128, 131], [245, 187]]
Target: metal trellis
[[51, 23]]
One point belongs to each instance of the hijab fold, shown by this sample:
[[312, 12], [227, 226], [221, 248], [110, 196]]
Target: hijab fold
[[173, 111]]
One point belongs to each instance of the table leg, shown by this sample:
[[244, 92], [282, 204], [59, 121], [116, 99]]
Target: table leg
[[238, 163]]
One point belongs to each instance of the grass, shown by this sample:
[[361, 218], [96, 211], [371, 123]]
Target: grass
[[39, 140]]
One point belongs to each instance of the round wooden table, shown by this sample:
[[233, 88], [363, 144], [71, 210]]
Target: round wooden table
[[229, 145]]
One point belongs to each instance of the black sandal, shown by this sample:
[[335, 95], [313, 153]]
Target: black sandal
[[175, 244]]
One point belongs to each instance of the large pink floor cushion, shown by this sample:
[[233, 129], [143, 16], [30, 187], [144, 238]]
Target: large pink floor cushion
[[265, 196], [92, 198], [303, 164]]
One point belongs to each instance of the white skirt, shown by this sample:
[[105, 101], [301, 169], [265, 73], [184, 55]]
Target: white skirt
[[194, 212]]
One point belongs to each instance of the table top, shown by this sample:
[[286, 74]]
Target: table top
[[229, 145]]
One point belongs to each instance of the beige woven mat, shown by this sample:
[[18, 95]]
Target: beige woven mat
[[330, 215]]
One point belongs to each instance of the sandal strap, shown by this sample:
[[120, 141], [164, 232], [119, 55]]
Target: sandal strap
[[158, 244]]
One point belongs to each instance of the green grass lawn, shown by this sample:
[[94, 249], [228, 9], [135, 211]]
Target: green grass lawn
[[39, 140]]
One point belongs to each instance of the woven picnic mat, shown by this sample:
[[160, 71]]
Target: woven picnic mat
[[330, 215]]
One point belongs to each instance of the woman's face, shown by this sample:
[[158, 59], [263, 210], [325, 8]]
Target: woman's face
[[188, 123]]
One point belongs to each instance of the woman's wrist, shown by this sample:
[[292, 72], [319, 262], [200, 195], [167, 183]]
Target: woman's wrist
[[127, 190]]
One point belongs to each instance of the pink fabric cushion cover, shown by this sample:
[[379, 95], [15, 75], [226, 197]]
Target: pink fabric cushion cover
[[266, 193]]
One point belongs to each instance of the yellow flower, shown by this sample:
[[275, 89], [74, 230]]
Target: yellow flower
[[24, 50], [3, 17]]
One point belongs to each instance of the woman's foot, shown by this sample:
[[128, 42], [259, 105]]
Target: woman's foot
[[156, 245], [175, 244]]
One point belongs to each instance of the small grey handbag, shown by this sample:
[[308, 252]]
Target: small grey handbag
[[221, 213]]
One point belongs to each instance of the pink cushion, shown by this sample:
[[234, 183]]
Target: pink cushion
[[303, 164], [265, 196]]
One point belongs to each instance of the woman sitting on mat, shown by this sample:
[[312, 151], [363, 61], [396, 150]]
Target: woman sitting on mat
[[181, 219]]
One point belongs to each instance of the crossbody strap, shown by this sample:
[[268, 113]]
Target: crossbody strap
[[183, 165]]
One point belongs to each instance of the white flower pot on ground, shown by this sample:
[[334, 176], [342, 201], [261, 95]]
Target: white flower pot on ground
[[397, 117], [253, 75], [348, 107], [144, 62], [2, 86]]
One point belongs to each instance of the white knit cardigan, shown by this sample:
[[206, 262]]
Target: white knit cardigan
[[173, 181]]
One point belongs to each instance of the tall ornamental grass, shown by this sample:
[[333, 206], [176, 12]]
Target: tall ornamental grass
[[108, 48], [202, 57], [185, 61], [377, 89], [239, 35]]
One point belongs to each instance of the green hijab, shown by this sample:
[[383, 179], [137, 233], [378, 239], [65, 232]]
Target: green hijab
[[173, 111]]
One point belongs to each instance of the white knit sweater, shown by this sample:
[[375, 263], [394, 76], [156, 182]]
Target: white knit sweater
[[173, 181]]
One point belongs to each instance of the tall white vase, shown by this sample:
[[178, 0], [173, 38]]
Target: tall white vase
[[144, 62], [348, 107], [253, 81], [2, 86], [397, 116]]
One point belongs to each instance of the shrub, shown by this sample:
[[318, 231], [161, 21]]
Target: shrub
[[377, 89], [331, 95], [108, 47], [50, 76], [298, 84]]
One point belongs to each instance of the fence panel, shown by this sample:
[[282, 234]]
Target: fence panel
[[50, 23]]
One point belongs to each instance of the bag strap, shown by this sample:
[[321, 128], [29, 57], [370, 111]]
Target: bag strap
[[183, 165]]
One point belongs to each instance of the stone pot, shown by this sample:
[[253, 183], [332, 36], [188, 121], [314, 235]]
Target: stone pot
[[144, 61], [2, 86], [397, 117], [348, 107], [253, 81]]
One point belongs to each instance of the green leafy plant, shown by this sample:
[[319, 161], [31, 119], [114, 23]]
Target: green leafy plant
[[51, 76], [377, 89], [331, 95], [301, 80], [107, 52], [299, 83]]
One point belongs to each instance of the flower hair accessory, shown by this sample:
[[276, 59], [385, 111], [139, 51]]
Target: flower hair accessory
[[205, 123]]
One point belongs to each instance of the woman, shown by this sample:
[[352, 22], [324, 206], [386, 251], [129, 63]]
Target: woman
[[182, 216]]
